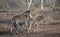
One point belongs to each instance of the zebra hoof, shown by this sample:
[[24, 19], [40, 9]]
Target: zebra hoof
[[11, 33], [16, 32]]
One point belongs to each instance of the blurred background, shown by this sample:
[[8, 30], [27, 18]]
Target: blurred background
[[11, 8]]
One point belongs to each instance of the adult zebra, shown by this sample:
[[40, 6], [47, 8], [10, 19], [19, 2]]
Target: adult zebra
[[21, 20]]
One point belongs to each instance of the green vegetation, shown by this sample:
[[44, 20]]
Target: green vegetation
[[1, 7], [58, 7]]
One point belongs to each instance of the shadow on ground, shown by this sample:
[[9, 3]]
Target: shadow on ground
[[41, 34]]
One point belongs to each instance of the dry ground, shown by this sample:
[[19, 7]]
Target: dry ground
[[49, 29]]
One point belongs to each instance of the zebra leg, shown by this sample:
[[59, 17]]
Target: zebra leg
[[36, 27], [27, 24], [11, 29], [29, 29], [17, 29], [17, 25]]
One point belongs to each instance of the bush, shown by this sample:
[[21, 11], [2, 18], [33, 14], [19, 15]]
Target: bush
[[1, 6]]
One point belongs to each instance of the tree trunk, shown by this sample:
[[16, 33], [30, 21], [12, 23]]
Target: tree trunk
[[53, 3], [29, 4], [41, 4]]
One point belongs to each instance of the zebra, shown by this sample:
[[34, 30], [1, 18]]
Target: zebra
[[35, 23], [25, 19], [21, 20]]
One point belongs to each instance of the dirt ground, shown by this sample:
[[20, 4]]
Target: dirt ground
[[41, 34], [51, 29]]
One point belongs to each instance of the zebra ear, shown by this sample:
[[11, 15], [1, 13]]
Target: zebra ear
[[30, 15], [27, 11]]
